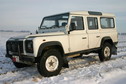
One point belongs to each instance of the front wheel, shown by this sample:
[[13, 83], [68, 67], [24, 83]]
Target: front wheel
[[50, 63], [105, 52]]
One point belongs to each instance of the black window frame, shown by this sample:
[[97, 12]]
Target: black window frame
[[82, 23], [96, 26], [52, 16], [107, 27]]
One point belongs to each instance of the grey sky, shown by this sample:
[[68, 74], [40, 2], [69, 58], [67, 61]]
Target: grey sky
[[27, 14]]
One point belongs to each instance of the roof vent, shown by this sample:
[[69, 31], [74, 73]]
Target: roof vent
[[94, 13]]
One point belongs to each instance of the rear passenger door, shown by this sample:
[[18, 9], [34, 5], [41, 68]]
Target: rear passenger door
[[93, 32]]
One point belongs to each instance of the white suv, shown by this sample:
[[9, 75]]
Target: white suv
[[63, 35]]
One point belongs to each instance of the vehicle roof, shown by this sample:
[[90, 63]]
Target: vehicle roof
[[85, 13], [91, 13]]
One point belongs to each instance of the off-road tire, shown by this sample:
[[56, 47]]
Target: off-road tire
[[43, 64], [105, 52]]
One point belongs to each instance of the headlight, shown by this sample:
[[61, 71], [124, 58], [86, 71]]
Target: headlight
[[29, 46]]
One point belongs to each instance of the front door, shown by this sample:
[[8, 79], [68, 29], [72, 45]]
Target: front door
[[78, 38]]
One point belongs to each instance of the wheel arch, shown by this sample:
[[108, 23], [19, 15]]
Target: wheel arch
[[106, 39], [47, 45]]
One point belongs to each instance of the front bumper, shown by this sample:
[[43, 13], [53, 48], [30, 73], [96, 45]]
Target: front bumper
[[22, 59]]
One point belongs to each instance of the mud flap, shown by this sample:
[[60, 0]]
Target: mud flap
[[65, 62], [114, 50]]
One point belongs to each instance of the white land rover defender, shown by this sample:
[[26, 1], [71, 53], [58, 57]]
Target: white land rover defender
[[63, 35]]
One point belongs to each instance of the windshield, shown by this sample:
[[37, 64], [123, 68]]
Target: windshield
[[55, 21]]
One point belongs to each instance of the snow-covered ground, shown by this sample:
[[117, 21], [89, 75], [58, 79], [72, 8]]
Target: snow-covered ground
[[85, 70]]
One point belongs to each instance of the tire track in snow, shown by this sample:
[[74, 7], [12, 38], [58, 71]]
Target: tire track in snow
[[31, 72]]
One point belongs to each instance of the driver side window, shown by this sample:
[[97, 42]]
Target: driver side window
[[77, 23]]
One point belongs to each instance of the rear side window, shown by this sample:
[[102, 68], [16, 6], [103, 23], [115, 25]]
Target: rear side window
[[107, 22], [92, 23]]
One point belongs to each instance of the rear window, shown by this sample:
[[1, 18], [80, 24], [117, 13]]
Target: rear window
[[107, 22]]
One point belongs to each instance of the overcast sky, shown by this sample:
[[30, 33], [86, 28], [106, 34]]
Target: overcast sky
[[27, 14]]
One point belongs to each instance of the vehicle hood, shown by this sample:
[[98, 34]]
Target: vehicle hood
[[38, 35]]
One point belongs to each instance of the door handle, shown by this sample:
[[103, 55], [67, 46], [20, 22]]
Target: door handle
[[83, 37], [97, 36]]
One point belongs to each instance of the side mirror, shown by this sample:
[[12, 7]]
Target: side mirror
[[72, 26]]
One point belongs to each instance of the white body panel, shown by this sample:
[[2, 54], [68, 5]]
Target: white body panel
[[78, 40], [110, 33], [94, 38], [63, 39]]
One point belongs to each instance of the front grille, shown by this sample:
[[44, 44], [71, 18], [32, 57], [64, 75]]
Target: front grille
[[21, 46], [15, 46]]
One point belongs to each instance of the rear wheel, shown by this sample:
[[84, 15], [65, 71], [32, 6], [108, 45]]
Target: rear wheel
[[105, 52], [50, 63]]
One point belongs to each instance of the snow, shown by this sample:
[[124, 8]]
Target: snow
[[85, 70], [119, 78]]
